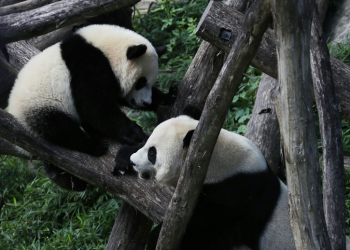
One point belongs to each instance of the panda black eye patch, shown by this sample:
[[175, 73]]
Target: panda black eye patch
[[152, 155], [142, 82]]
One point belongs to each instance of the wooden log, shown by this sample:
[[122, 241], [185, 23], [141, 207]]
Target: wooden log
[[9, 2], [331, 134], [266, 59], [263, 128], [24, 6], [202, 144], [130, 230], [19, 26], [149, 197], [7, 77], [295, 114], [46, 40], [20, 53]]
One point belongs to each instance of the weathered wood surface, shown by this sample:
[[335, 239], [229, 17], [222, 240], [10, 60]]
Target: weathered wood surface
[[9, 2], [263, 128], [46, 40], [19, 26], [24, 6], [222, 16], [130, 230], [149, 197], [295, 114], [331, 134], [7, 77], [20, 53], [202, 144]]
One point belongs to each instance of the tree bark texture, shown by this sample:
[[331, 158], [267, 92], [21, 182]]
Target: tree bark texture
[[7, 77], [130, 230], [331, 134], [202, 144], [20, 53], [9, 2], [221, 16], [293, 28], [24, 6], [19, 26], [263, 127], [149, 197]]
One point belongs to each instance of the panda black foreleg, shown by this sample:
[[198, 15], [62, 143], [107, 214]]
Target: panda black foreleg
[[160, 98], [122, 159]]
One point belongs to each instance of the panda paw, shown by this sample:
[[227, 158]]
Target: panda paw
[[171, 96], [136, 133], [122, 160], [98, 147]]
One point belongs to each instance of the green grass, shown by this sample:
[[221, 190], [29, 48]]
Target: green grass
[[39, 215]]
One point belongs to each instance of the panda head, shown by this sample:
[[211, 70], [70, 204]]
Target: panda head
[[133, 59], [164, 153]]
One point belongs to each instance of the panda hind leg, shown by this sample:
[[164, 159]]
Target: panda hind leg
[[64, 179], [60, 129], [63, 130]]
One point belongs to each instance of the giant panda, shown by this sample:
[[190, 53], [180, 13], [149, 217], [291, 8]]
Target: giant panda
[[71, 93], [241, 202]]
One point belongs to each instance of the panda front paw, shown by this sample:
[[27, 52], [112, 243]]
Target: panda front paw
[[98, 147], [171, 96], [136, 133], [122, 160]]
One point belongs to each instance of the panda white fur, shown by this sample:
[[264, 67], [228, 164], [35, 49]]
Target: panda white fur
[[242, 201], [71, 93]]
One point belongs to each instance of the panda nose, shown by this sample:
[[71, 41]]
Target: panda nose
[[146, 104]]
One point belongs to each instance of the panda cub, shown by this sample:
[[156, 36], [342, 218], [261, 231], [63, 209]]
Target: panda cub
[[241, 203], [71, 93]]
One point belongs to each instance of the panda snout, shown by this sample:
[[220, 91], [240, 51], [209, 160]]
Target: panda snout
[[146, 104], [145, 175]]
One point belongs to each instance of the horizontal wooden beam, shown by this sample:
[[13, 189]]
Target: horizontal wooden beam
[[220, 25], [25, 25]]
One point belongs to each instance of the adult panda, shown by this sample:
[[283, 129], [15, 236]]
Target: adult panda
[[241, 203], [70, 94]]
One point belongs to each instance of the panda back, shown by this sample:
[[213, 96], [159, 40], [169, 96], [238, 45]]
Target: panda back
[[234, 154], [43, 82]]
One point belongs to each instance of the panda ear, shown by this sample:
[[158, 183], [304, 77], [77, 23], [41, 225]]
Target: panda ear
[[136, 51], [187, 139], [161, 50], [192, 111]]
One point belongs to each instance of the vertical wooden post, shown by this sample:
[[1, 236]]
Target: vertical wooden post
[[130, 230], [293, 27], [204, 138], [331, 134]]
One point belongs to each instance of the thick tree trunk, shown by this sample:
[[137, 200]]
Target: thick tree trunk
[[19, 26], [149, 197], [263, 127], [130, 230], [202, 144], [24, 6], [293, 27], [7, 77], [331, 134], [265, 60]]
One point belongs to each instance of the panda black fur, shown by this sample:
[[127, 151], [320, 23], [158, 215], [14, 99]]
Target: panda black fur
[[242, 202], [71, 93]]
